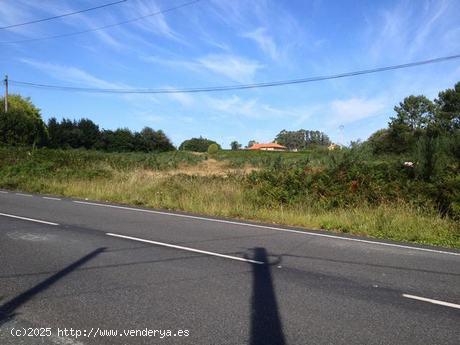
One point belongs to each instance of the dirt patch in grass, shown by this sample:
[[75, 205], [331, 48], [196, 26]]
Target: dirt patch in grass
[[209, 167]]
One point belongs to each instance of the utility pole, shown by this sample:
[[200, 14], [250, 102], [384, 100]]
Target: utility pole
[[6, 93]]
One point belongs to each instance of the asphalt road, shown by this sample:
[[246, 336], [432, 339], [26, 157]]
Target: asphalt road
[[92, 267]]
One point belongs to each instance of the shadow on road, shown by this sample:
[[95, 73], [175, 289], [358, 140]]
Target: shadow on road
[[367, 264], [7, 309], [266, 327], [99, 267]]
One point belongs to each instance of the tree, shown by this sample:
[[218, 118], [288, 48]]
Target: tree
[[415, 112], [22, 123], [64, 134], [119, 140], [235, 145], [89, 133], [251, 143], [197, 144], [415, 115], [380, 142], [123, 140], [448, 112], [151, 140], [302, 139], [71, 136], [162, 142], [292, 140], [54, 134]]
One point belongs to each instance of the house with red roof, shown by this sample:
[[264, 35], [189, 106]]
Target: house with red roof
[[268, 147]]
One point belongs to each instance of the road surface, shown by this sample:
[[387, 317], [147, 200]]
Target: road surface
[[98, 268]]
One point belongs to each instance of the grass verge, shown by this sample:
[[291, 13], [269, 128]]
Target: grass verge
[[224, 194]]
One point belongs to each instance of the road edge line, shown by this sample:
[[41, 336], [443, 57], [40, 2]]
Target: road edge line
[[185, 248], [267, 227]]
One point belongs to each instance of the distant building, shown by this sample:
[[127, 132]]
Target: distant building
[[268, 147], [333, 147]]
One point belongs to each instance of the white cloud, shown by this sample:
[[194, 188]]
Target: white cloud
[[172, 62], [428, 25], [354, 109], [184, 99], [253, 108], [118, 37], [16, 12], [231, 66], [234, 105], [264, 41], [410, 29], [156, 24], [72, 75], [79, 77]]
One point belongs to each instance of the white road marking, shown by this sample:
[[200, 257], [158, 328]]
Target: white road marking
[[21, 194], [50, 198], [29, 219], [186, 248], [269, 228], [434, 301], [3, 192]]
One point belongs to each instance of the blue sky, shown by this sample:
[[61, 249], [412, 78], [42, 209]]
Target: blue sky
[[226, 42]]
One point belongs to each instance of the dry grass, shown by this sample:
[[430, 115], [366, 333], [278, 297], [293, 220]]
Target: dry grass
[[209, 167], [220, 195], [211, 187]]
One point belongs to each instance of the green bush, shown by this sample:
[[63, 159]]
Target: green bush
[[22, 125], [355, 177], [196, 144], [213, 149]]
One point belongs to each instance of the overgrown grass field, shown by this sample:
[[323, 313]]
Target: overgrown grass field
[[344, 191]]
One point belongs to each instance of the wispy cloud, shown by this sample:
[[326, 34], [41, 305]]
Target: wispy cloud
[[156, 24], [71, 74], [15, 12], [172, 62], [118, 37], [264, 41], [79, 77], [410, 28], [231, 66], [184, 99], [354, 109], [433, 14], [253, 108]]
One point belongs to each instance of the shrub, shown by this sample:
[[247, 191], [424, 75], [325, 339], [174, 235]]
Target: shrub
[[197, 144], [22, 125], [213, 149]]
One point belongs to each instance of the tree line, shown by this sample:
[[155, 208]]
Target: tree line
[[419, 120], [22, 125], [84, 133], [293, 140], [302, 139]]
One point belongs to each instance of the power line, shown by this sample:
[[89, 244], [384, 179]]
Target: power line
[[62, 15], [239, 86], [105, 26]]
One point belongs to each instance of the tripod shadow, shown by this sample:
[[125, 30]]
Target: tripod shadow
[[266, 326], [7, 309]]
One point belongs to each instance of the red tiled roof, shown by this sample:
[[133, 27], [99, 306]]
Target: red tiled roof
[[267, 146]]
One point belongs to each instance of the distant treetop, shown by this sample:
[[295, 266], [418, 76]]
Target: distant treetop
[[302, 139], [197, 144]]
